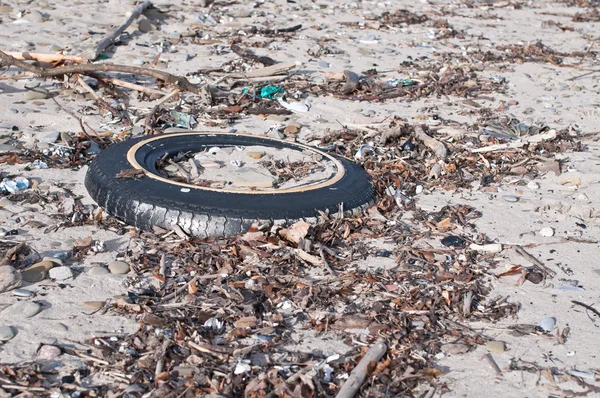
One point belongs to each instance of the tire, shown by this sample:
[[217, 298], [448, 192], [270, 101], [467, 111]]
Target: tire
[[203, 212]]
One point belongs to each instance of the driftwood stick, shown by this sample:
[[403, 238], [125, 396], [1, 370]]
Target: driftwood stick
[[359, 374], [49, 58], [99, 100], [549, 272], [112, 37], [436, 146], [534, 139], [179, 82], [148, 121], [123, 83]]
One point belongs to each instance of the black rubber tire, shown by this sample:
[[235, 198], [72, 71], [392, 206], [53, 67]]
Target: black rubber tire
[[148, 202]]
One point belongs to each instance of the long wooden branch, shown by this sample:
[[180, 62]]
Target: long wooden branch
[[179, 82]]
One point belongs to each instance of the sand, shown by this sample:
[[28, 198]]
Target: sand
[[542, 91]]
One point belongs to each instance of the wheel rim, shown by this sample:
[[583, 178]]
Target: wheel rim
[[136, 154]]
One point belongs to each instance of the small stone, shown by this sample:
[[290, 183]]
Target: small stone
[[48, 352], [35, 16], [55, 260], [60, 327], [534, 186], [535, 277], [292, 128], [9, 278], [93, 305], [145, 26], [5, 9], [547, 232], [323, 64], [255, 155], [510, 198], [61, 273], [547, 324], [247, 177], [277, 118], [496, 347], [278, 135], [38, 93], [118, 267], [454, 241], [98, 271], [37, 272], [22, 293], [23, 309], [7, 333]]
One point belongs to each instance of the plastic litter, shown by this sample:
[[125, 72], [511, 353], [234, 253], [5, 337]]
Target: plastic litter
[[399, 83], [14, 185], [297, 107], [362, 151], [183, 119], [38, 164], [271, 92]]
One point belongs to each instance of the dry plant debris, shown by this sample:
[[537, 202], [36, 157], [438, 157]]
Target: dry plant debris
[[217, 317]]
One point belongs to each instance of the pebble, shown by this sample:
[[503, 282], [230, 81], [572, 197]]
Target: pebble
[[495, 346], [547, 324], [255, 155], [292, 128], [7, 333], [145, 26], [247, 177], [489, 248], [118, 267], [22, 293], [48, 352], [277, 118], [93, 305], [534, 186], [54, 260], [510, 198], [23, 310], [98, 271], [547, 232], [6, 9], [60, 327], [9, 278], [455, 348], [37, 272], [454, 241], [35, 16], [61, 273], [323, 64], [37, 94]]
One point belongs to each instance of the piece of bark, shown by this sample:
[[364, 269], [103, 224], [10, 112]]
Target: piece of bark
[[361, 371], [114, 35], [351, 82], [436, 146]]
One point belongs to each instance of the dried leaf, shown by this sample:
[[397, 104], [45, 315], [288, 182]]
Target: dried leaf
[[295, 233]]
